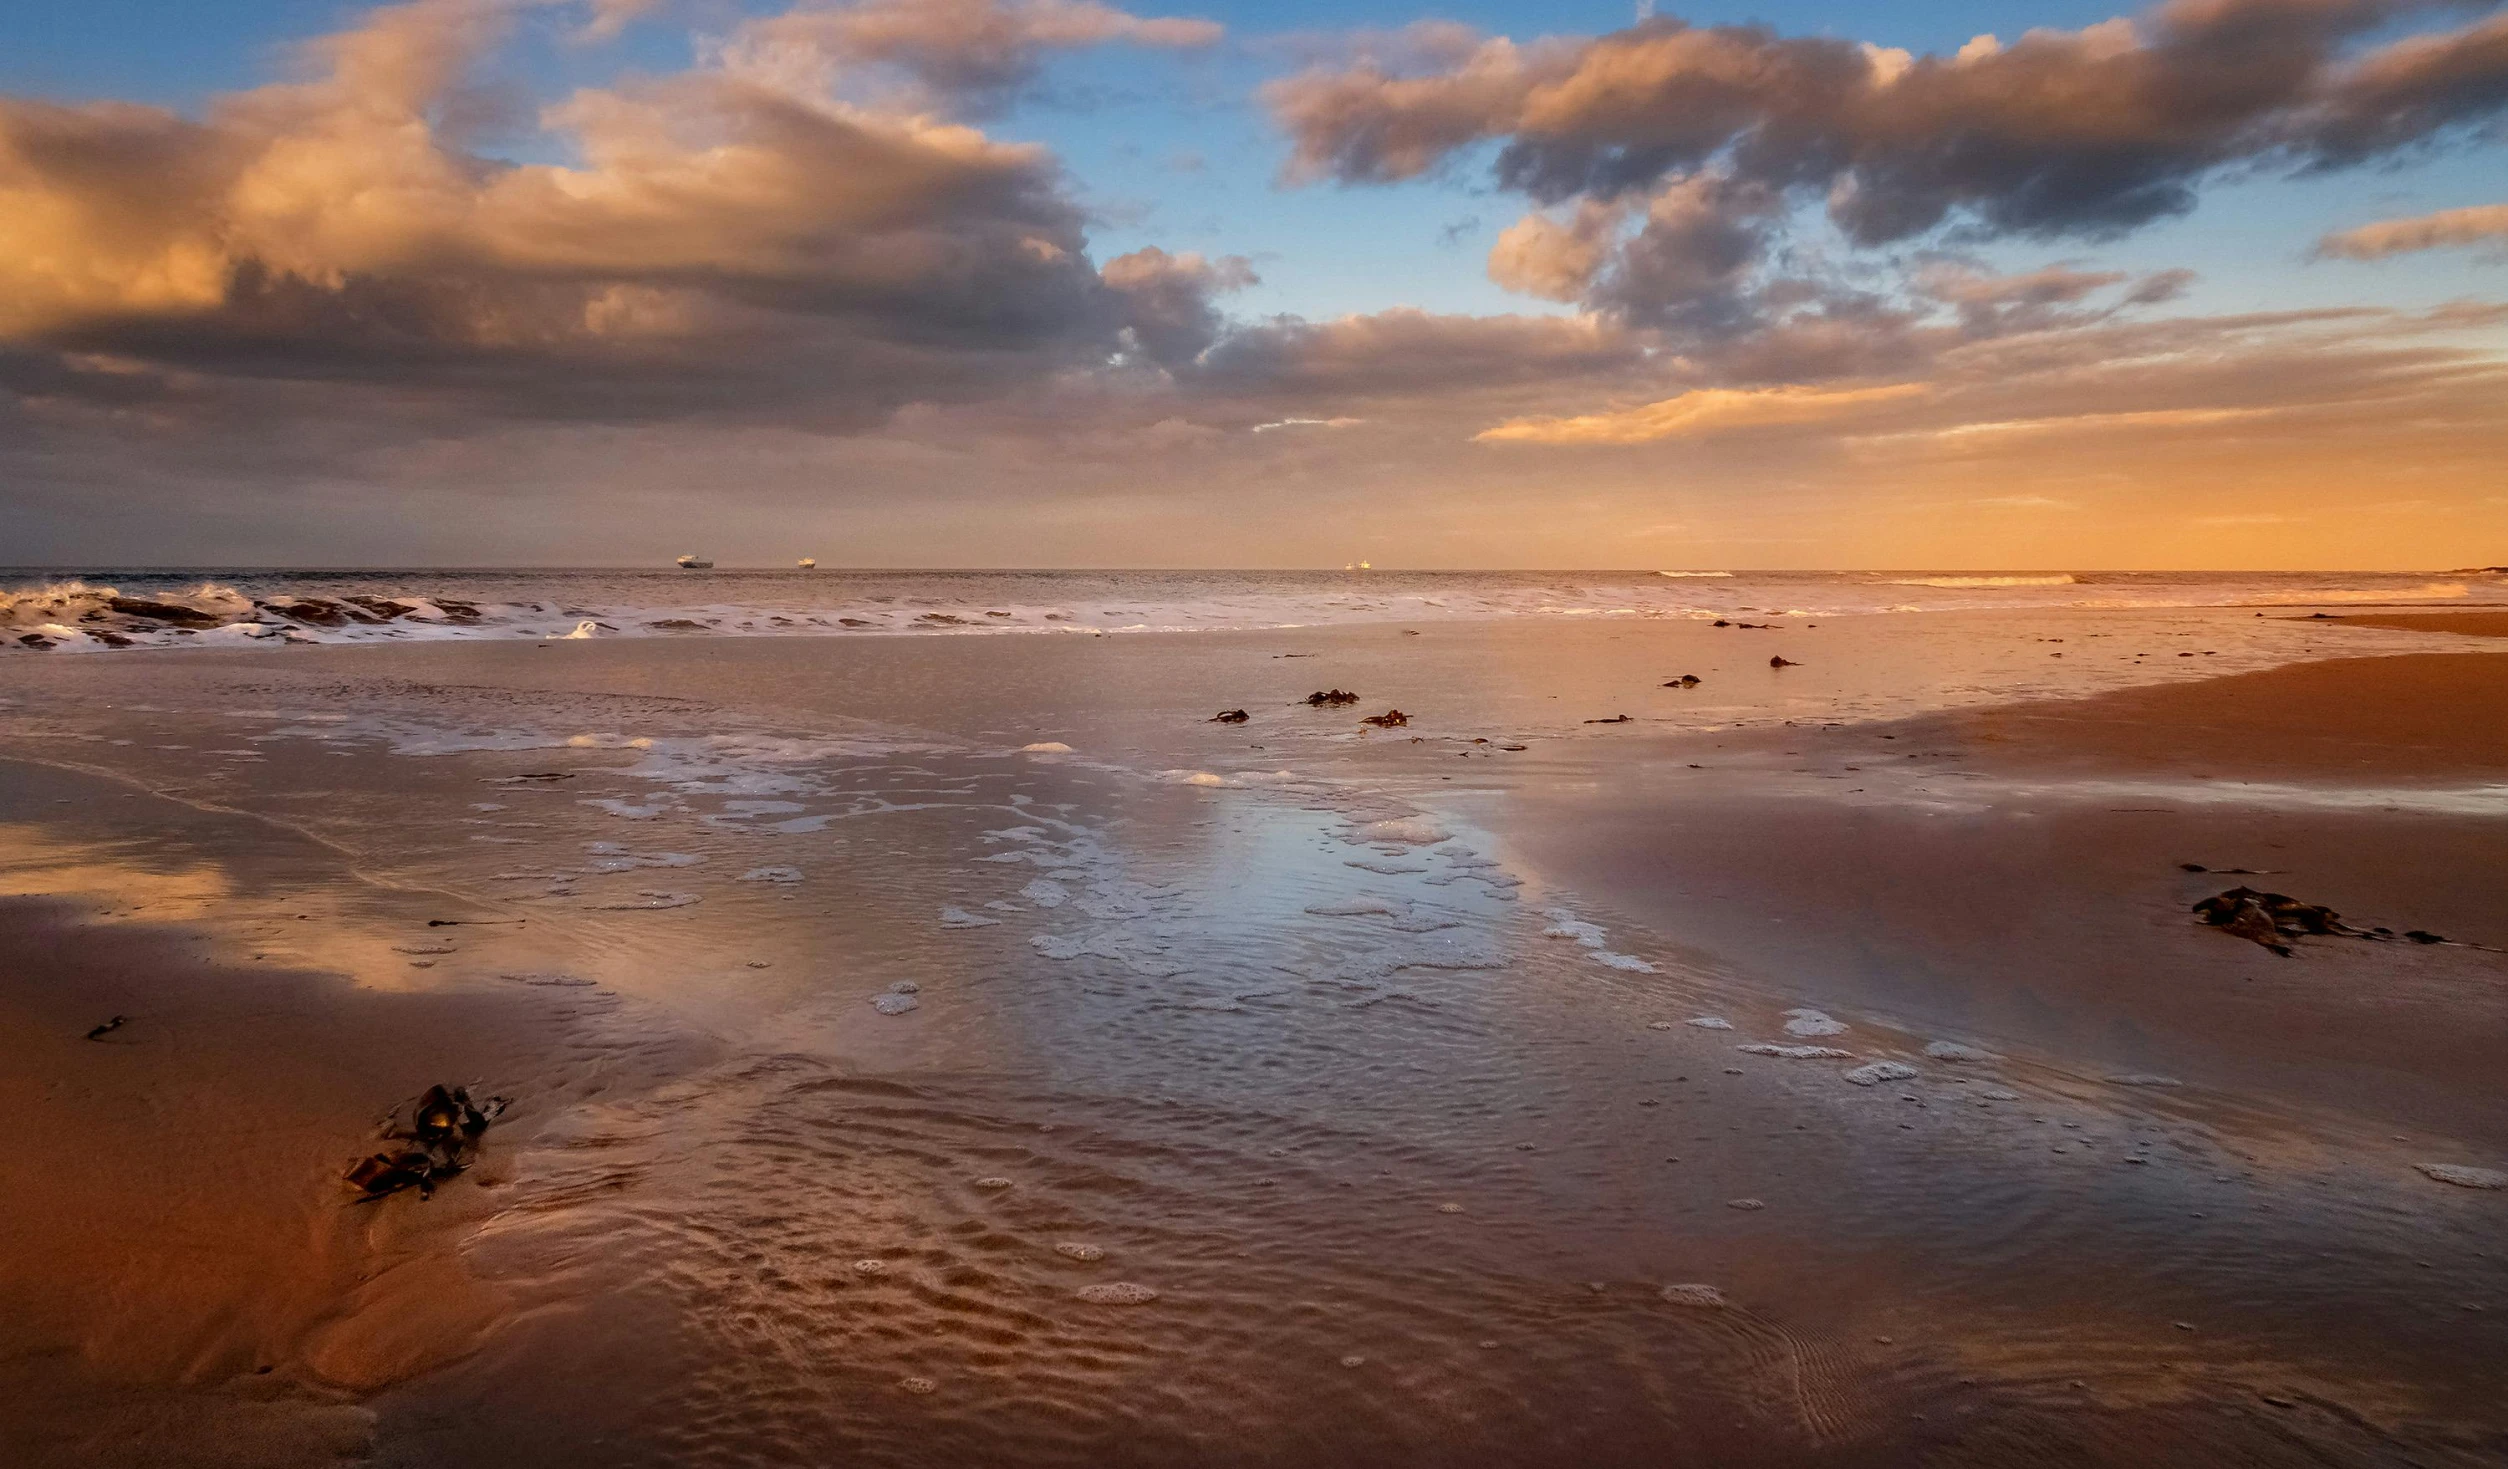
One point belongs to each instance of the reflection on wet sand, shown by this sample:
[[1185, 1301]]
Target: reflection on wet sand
[[904, 1098]]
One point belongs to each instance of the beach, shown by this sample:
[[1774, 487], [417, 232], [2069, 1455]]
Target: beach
[[934, 1048]]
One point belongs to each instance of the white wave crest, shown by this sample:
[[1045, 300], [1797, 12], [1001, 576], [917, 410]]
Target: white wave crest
[[1953, 583]]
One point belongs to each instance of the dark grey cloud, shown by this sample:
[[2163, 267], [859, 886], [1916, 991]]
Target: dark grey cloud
[[2083, 134]]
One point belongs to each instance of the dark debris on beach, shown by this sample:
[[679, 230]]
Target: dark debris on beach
[[2273, 920], [435, 1137]]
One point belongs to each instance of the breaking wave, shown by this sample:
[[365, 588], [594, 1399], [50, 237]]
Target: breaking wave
[[2060, 579], [103, 612]]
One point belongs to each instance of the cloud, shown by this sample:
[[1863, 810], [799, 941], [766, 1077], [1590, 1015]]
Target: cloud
[[1167, 298], [2477, 224], [2037, 300], [2138, 419], [1701, 412], [1552, 258], [715, 243], [1405, 351], [1281, 423], [2084, 134], [967, 55]]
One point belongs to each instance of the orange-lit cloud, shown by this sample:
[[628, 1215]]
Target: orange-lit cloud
[[2476, 225], [961, 53], [1701, 412], [717, 228]]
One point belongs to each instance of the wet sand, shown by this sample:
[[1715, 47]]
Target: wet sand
[[170, 1207], [2471, 624], [2019, 871], [1375, 1071]]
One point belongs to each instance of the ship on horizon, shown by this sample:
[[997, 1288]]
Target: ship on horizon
[[694, 562]]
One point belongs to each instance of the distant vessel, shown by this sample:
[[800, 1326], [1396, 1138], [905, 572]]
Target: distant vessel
[[695, 563], [808, 563], [1357, 566]]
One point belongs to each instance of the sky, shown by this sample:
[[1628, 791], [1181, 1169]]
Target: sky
[[2216, 284]]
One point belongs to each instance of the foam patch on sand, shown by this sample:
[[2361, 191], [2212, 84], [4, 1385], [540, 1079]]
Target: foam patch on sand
[[1811, 1023], [1629, 963], [1408, 831], [1117, 1293], [961, 918], [1694, 1294], [1709, 1022], [772, 874], [1880, 1071], [2465, 1176], [1797, 1053], [1045, 747], [1566, 925], [1954, 1051]]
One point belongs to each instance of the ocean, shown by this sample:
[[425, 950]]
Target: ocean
[[109, 608]]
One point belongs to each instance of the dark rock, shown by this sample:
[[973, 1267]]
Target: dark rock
[[381, 609], [109, 639], [1323, 697], [2423, 936], [315, 610], [436, 1137], [35, 640], [1390, 719], [2270, 919], [1230, 716], [1614, 719], [1783, 662], [677, 624], [108, 1028], [173, 612], [1685, 681]]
